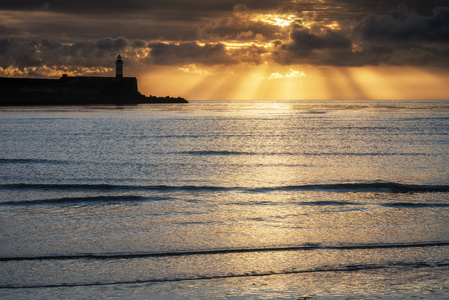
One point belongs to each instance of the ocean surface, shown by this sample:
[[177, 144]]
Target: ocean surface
[[225, 200]]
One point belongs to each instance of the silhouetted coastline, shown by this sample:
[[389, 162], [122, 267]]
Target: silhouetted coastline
[[79, 90]]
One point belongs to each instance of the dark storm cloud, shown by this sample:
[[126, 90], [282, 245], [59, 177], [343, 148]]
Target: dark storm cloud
[[236, 28], [309, 47], [401, 37], [88, 51], [20, 54], [111, 44], [89, 33], [4, 30], [303, 40], [172, 20], [23, 53], [178, 9], [413, 28], [186, 53], [139, 44], [406, 38], [5, 44], [382, 7]]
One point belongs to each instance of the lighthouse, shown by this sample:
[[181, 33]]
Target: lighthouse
[[119, 67]]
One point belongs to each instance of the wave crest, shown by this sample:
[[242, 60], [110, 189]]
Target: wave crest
[[381, 187]]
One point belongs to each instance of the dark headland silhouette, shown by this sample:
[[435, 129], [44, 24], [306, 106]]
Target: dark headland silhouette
[[79, 90]]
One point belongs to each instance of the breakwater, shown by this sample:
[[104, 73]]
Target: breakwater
[[79, 90]]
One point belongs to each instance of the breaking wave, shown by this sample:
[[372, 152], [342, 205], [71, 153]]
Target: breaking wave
[[242, 274], [304, 247]]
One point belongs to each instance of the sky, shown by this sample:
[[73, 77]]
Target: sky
[[237, 49]]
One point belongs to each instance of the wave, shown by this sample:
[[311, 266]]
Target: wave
[[31, 161], [415, 205], [236, 153], [324, 269], [379, 187], [367, 154], [129, 199], [328, 203], [217, 153], [26, 161], [386, 187], [304, 247], [110, 187], [85, 200], [242, 274]]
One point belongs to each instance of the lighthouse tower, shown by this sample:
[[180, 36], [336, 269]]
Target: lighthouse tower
[[119, 67]]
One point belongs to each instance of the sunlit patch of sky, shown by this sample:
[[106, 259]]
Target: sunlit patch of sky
[[276, 19]]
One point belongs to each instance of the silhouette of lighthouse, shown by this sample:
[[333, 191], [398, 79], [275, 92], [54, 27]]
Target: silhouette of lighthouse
[[119, 67]]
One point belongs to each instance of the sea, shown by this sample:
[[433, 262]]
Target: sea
[[225, 200]]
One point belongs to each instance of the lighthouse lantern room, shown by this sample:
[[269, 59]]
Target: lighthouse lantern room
[[119, 67]]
